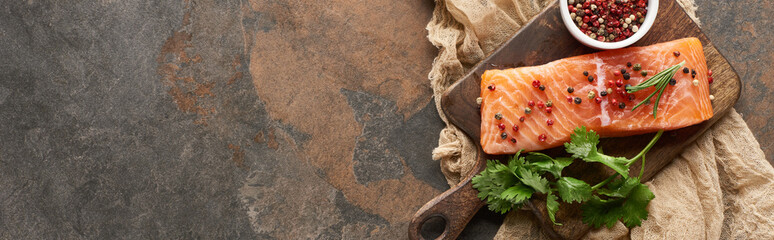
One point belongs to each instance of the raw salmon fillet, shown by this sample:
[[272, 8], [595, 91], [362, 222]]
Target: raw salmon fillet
[[506, 93]]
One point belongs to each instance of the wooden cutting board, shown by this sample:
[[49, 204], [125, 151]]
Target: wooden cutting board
[[542, 40]]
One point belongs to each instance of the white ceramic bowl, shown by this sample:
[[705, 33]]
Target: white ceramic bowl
[[593, 43]]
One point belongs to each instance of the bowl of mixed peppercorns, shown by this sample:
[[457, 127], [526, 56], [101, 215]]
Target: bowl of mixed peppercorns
[[608, 24]]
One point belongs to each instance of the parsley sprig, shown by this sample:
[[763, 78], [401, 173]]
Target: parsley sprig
[[619, 197], [660, 81]]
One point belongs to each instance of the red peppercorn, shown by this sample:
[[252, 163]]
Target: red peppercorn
[[709, 72], [513, 140], [619, 83], [531, 103], [710, 80], [598, 100], [676, 53], [549, 109], [617, 73], [501, 126], [521, 119], [540, 104], [569, 98], [535, 83], [542, 137], [515, 128], [550, 122], [610, 83]]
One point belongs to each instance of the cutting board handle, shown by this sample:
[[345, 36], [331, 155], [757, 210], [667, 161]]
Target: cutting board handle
[[456, 206]]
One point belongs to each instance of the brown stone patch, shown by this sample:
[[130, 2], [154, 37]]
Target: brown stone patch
[[360, 47], [190, 95], [272, 141], [238, 157], [204, 89], [259, 137], [747, 46]]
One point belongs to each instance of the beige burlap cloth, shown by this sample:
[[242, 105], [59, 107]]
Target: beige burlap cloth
[[720, 187]]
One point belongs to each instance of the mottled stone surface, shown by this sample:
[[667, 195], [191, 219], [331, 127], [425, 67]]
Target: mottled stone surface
[[245, 119], [742, 32]]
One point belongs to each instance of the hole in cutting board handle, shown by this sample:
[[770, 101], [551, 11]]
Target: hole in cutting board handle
[[434, 227]]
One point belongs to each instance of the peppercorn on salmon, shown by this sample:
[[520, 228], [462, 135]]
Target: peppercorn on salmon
[[538, 107]]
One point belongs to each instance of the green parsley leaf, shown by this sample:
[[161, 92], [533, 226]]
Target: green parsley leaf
[[516, 162], [628, 202], [542, 163], [619, 187], [508, 186], [635, 208], [533, 180], [517, 194], [492, 182], [552, 205], [499, 205], [573, 190], [598, 212], [583, 145]]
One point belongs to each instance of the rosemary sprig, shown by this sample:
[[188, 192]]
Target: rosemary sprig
[[660, 81]]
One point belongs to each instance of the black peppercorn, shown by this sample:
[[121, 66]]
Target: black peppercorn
[[626, 76], [644, 73], [542, 87], [685, 70], [503, 135], [603, 93], [570, 89], [672, 82], [621, 105], [591, 78], [629, 64], [623, 70], [585, 73], [578, 100]]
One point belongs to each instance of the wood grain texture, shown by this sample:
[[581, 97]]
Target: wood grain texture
[[546, 39], [461, 199]]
